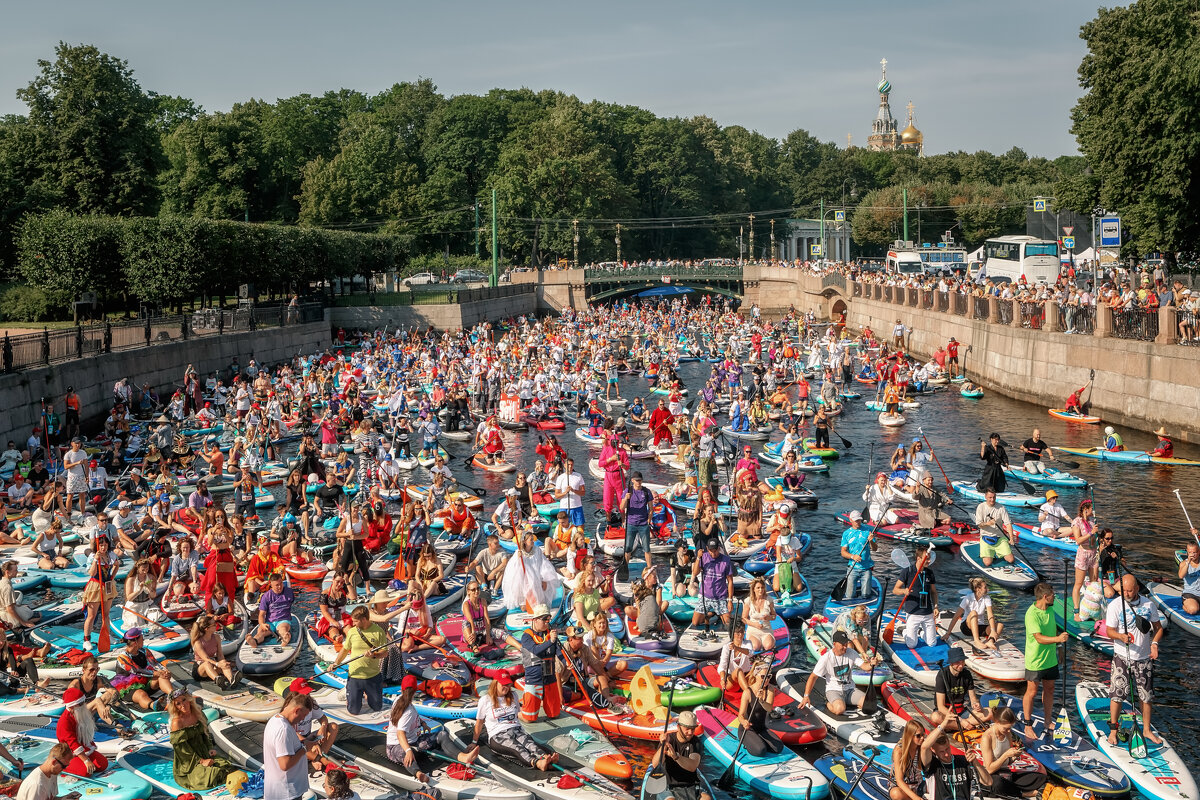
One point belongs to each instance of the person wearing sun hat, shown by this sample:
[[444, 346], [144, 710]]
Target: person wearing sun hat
[[1053, 518], [679, 758], [539, 648], [1165, 448]]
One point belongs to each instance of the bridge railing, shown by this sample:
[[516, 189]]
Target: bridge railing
[[597, 274]]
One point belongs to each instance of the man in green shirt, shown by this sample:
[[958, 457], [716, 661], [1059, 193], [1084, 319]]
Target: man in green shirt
[[364, 645], [1041, 656]]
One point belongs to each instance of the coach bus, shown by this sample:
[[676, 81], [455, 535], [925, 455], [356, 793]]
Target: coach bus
[[1015, 257]]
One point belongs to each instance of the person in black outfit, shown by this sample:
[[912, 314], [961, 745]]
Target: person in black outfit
[[948, 775], [679, 758], [954, 688], [995, 459]]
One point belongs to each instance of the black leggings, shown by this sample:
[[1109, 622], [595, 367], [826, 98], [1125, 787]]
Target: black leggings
[[25, 666], [822, 437], [759, 744], [354, 553]]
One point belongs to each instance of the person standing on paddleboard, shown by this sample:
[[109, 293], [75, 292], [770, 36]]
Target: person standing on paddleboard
[[1135, 627], [857, 544], [995, 459], [1041, 655]]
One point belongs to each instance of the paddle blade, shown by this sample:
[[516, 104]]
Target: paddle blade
[[839, 591], [1137, 745], [104, 642], [840, 772], [899, 558], [1062, 727]]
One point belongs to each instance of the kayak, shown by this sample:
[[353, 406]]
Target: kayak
[[1051, 477], [1170, 600], [1082, 419], [367, 750], [243, 700], [1083, 631], [921, 663], [795, 724], [1073, 760], [1135, 456], [1017, 575], [271, 657], [881, 730], [1161, 774], [1015, 499], [576, 755], [1005, 664], [818, 636], [782, 775]]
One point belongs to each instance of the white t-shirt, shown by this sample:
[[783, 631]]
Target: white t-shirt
[[837, 671], [979, 605], [38, 786], [409, 722], [570, 500], [314, 717], [1056, 516], [1139, 649], [607, 643], [497, 718], [279, 740]]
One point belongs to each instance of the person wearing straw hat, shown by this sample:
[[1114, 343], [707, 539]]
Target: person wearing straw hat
[[1165, 448]]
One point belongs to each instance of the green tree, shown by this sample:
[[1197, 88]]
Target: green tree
[[97, 146], [215, 164], [1137, 120], [372, 179], [64, 255]]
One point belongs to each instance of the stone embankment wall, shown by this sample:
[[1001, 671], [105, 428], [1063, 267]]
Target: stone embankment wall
[[161, 365]]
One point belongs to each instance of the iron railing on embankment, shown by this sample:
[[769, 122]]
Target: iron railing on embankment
[[25, 351], [434, 295], [1167, 326]]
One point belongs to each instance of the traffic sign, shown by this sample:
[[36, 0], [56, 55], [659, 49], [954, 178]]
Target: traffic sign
[[815, 249], [1068, 230], [1110, 232], [1069, 242], [1039, 205], [839, 216]]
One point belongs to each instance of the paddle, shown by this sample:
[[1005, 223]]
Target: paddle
[[726, 779], [945, 477], [901, 561], [1187, 516], [389, 643], [1062, 723], [846, 443], [104, 639], [839, 591], [1137, 744], [840, 772], [657, 780]]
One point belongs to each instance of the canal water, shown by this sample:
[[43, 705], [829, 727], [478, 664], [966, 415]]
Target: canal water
[[1136, 501]]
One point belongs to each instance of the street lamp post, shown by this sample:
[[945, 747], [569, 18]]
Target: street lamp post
[[575, 225], [751, 237], [618, 242], [772, 240]]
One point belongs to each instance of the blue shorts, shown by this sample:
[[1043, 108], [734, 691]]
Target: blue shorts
[[637, 537], [612, 381], [274, 626], [575, 515]]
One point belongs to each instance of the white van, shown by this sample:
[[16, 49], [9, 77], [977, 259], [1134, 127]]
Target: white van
[[905, 262]]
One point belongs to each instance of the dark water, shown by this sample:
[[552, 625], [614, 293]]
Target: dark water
[[1136, 501]]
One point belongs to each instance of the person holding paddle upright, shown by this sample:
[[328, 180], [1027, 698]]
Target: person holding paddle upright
[[1041, 655], [679, 758], [918, 586], [1135, 627], [857, 544]]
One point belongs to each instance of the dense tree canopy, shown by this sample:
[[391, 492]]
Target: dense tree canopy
[[418, 167]]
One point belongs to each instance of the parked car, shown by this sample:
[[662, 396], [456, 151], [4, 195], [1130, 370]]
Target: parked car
[[469, 276], [420, 279]]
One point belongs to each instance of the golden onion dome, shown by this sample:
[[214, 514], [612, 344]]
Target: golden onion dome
[[911, 135]]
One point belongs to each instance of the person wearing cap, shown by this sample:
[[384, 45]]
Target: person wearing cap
[[836, 668], [679, 757], [139, 676], [135, 489], [957, 704], [77, 729], [498, 714], [407, 735], [1053, 519], [284, 755], [712, 572], [637, 506], [952, 357], [196, 763], [508, 516], [1165, 448], [856, 546], [995, 530], [539, 649]]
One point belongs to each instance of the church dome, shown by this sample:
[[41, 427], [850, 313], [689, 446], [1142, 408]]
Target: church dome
[[884, 86], [911, 135]]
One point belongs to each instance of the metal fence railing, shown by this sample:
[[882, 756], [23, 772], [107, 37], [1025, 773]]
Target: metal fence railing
[[983, 308], [52, 346], [1135, 323], [1033, 315], [1004, 310], [960, 304], [1185, 329], [433, 295]]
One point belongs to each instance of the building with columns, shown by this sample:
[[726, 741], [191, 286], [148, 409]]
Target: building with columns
[[804, 233]]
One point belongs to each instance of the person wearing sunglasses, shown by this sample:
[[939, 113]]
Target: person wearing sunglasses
[[42, 783]]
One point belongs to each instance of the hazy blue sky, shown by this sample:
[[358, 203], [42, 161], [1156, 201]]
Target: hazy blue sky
[[982, 75]]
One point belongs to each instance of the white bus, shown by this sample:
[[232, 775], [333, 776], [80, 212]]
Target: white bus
[[943, 260], [1016, 257]]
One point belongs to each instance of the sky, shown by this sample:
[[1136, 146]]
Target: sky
[[981, 75]]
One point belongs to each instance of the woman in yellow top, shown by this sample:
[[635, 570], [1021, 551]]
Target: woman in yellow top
[[588, 602]]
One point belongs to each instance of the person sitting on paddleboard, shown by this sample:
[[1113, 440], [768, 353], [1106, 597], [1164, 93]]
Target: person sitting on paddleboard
[[1189, 573], [958, 707], [836, 667], [1055, 520], [1074, 404], [679, 756], [755, 707]]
